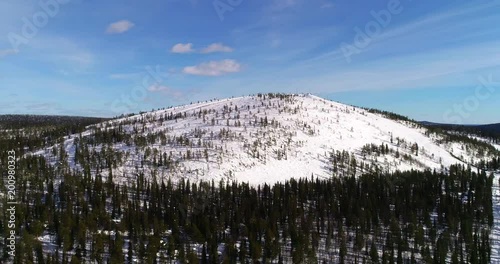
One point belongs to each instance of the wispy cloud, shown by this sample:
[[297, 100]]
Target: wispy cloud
[[60, 52], [167, 91], [182, 48], [216, 47], [7, 52], [214, 68], [441, 18], [43, 107], [119, 27], [123, 76], [279, 5], [327, 5], [450, 67], [81, 59], [158, 88], [418, 28]]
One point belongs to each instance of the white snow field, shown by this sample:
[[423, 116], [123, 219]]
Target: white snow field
[[230, 139]]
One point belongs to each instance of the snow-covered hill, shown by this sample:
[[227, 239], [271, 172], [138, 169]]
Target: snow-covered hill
[[495, 233], [256, 139]]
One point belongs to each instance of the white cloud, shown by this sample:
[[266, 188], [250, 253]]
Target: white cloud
[[158, 88], [216, 47], [7, 52], [119, 27], [165, 90], [182, 48], [214, 68]]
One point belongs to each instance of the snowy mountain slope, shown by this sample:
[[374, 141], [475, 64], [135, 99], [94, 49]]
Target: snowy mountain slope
[[495, 233], [256, 139]]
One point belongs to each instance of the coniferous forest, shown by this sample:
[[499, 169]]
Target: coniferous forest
[[405, 217]]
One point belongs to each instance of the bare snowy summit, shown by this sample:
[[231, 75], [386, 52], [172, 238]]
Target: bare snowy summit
[[262, 138]]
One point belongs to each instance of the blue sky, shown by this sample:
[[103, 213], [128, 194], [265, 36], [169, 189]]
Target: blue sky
[[437, 61]]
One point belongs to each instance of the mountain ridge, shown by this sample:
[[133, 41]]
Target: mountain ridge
[[261, 138]]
